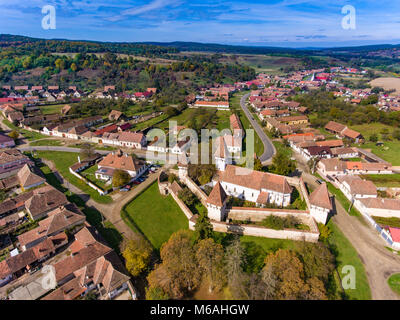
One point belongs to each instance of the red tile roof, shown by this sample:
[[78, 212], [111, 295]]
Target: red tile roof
[[320, 197]]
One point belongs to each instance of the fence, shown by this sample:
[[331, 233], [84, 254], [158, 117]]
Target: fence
[[382, 232], [90, 184]]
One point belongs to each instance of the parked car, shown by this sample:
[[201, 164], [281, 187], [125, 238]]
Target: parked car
[[125, 189], [136, 182], [319, 181]]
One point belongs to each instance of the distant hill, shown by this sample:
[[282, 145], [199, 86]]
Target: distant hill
[[173, 47]]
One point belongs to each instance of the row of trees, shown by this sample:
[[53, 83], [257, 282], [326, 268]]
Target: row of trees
[[329, 108], [244, 270]]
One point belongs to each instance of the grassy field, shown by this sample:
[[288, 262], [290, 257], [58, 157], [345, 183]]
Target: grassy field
[[51, 109], [46, 142], [347, 256], [155, 216], [270, 245], [107, 230], [89, 174], [62, 161], [384, 180], [29, 135], [394, 282], [390, 151]]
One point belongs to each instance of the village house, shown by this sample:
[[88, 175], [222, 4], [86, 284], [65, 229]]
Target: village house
[[115, 115], [344, 132], [29, 177], [335, 167], [224, 105], [91, 267], [15, 266], [353, 187], [43, 201], [293, 120], [320, 204], [76, 132], [128, 139], [316, 152], [255, 186], [60, 219], [119, 161], [12, 160], [380, 207], [6, 141], [344, 153]]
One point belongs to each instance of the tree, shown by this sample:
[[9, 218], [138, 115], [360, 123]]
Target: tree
[[282, 164], [203, 227], [87, 150], [324, 232], [137, 254], [120, 178], [234, 260], [14, 135], [258, 165], [156, 293], [74, 67], [3, 195], [373, 137], [187, 197], [288, 270], [396, 134], [172, 178], [178, 274], [312, 164], [210, 257]]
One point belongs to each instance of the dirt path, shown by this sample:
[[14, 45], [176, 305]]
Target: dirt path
[[379, 262]]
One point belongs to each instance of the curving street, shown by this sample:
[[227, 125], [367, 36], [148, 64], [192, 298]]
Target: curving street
[[269, 148]]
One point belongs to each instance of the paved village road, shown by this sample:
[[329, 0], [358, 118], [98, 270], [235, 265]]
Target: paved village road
[[269, 149], [379, 262]]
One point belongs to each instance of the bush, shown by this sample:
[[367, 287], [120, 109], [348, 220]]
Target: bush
[[280, 223]]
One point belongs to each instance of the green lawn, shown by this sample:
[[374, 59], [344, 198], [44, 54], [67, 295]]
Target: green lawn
[[62, 161], [52, 109], [384, 180], [394, 282], [390, 151], [29, 135], [391, 222], [270, 245], [155, 216], [46, 142], [89, 174], [347, 255], [108, 230]]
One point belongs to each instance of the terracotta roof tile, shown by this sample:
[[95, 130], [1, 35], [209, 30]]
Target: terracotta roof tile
[[320, 197]]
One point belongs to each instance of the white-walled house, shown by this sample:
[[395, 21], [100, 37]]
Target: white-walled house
[[353, 187], [381, 207], [119, 161], [255, 186], [320, 204]]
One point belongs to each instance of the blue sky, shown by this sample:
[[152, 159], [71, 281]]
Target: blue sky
[[292, 23]]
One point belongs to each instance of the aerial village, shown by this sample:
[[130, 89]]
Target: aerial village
[[40, 224]]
